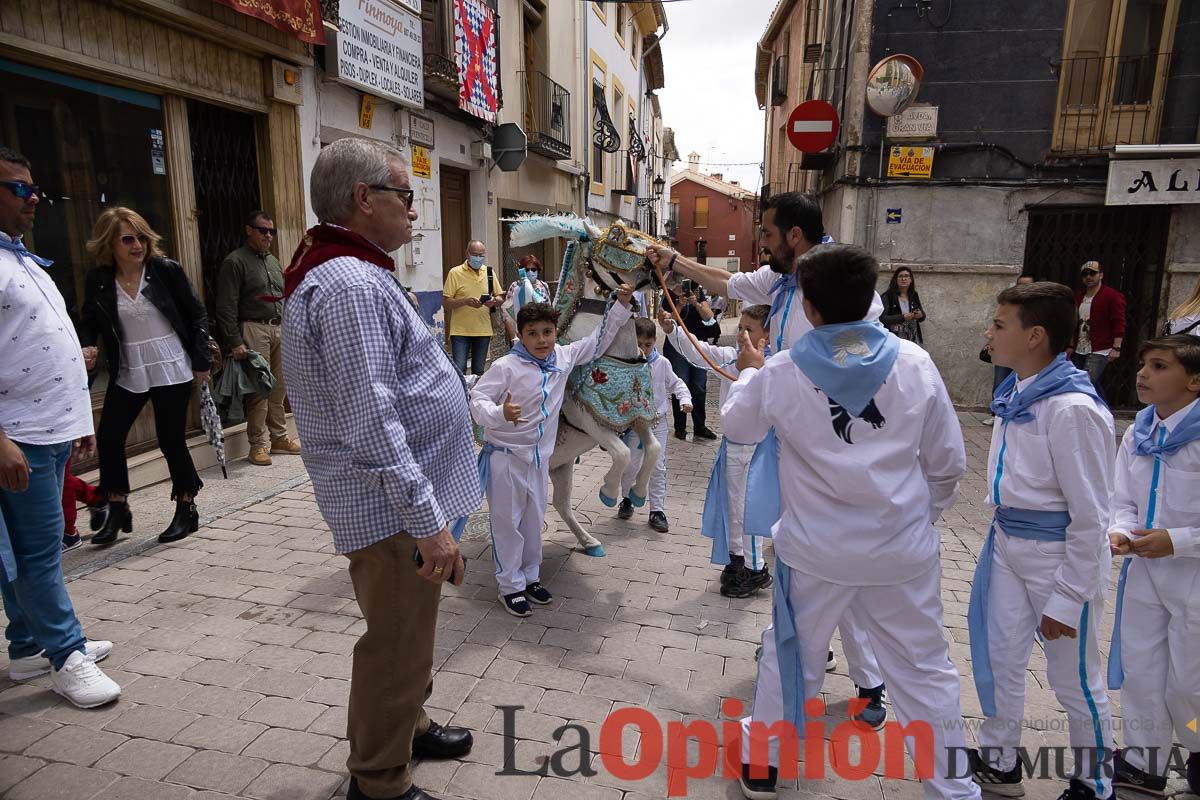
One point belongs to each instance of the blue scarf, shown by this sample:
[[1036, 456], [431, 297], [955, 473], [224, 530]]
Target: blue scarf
[[548, 364], [16, 246], [1058, 377], [1186, 431], [849, 362], [484, 466], [654, 356], [714, 522], [783, 291], [763, 489]]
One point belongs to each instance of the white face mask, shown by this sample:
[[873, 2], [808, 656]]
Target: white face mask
[[532, 274], [475, 262]]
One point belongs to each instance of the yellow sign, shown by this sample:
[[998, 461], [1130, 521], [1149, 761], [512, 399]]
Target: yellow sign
[[366, 110], [910, 162], [1191, 726], [422, 168]]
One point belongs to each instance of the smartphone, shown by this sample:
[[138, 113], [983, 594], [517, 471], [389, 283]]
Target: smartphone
[[420, 561], [485, 298], [688, 286]]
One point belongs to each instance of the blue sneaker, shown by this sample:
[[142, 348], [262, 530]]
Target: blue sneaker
[[875, 713]]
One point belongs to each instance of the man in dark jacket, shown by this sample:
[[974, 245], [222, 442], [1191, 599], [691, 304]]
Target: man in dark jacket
[[1101, 326]]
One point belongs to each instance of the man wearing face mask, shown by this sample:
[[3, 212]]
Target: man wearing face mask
[[470, 294], [533, 272]]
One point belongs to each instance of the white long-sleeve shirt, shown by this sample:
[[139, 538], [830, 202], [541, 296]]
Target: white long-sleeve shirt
[[1063, 461], [856, 514], [1178, 507], [666, 383], [540, 395], [724, 357]]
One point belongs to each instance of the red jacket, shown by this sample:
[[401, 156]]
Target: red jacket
[[1107, 321]]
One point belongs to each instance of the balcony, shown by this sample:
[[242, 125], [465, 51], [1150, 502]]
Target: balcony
[[547, 115], [1104, 101]]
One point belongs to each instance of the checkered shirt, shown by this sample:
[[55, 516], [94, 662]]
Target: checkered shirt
[[379, 407]]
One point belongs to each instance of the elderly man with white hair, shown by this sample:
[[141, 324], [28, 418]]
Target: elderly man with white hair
[[383, 416]]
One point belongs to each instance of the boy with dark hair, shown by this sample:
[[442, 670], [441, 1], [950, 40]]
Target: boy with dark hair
[[1155, 655], [666, 384], [1045, 562], [870, 454], [516, 402]]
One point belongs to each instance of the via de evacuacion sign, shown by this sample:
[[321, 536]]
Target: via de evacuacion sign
[[379, 50]]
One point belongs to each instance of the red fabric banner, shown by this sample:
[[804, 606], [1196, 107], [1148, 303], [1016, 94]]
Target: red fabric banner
[[300, 18]]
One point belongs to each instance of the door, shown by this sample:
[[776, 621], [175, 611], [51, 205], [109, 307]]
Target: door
[[456, 221], [1130, 242]]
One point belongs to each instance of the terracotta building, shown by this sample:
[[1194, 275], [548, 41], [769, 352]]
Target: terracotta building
[[713, 218]]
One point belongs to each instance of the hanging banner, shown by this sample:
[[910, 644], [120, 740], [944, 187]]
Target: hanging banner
[[475, 55], [379, 51], [300, 18]]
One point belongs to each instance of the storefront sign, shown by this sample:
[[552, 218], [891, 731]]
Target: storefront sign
[[366, 110], [158, 154], [1159, 181], [915, 122], [379, 50], [910, 162], [421, 165], [421, 130]]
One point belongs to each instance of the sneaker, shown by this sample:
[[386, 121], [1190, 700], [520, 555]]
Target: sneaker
[[625, 511], [990, 421], [760, 578], [516, 604], [735, 565], [990, 779], [259, 457], [759, 787], [285, 445], [71, 541], [1078, 790], [22, 669], [1193, 773], [746, 582], [658, 522], [830, 662], [83, 683], [538, 594], [704, 433], [1127, 776], [874, 713]]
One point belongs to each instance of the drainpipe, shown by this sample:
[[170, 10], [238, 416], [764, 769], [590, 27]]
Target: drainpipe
[[585, 84]]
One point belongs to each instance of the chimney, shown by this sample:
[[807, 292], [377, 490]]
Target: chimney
[[718, 175], [694, 161], [735, 183]]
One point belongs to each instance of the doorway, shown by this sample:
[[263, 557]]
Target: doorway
[[456, 223]]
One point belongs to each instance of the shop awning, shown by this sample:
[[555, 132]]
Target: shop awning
[[300, 18]]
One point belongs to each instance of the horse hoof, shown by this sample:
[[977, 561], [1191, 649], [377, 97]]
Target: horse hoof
[[636, 500], [608, 501], [594, 550]]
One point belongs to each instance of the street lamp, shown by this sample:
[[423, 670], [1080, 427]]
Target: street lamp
[[659, 185]]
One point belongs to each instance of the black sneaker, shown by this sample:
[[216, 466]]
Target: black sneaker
[[71, 541], [990, 779], [760, 578], [516, 604], [735, 565], [658, 522], [538, 594], [1078, 790], [759, 787], [1193, 773], [704, 433], [875, 713], [746, 582], [830, 662], [1127, 776], [625, 510]]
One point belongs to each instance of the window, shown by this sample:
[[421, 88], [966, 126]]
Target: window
[[598, 154], [621, 22], [618, 103], [674, 217], [700, 213]]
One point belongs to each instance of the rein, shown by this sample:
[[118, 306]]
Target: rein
[[686, 332]]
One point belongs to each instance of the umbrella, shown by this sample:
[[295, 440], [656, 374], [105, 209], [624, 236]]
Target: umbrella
[[211, 421]]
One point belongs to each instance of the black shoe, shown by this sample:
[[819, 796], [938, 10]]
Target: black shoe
[[746, 582], [658, 522], [185, 521], [735, 565], [516, 604], [1127, 776], [990, 779], [97, 516], [625, 510], [704, 433], [1078, 790], [759, 788], [441, 742], [1193, 773], [682, 435], [354, 793], [538, 594], [120, 518], [71, 541], [874, 713]]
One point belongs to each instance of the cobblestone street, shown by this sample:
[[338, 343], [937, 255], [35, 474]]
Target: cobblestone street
[[233, 651]]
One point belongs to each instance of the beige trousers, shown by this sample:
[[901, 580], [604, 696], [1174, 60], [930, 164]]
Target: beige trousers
[[264, 412]]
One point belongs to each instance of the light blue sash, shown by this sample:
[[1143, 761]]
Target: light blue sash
[[714, 523], [763, 489], [1042, 526], [484, 466], [787, 647]]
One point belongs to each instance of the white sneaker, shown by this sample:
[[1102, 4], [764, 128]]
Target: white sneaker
[[989, 421], [83, 683], [22, 669]]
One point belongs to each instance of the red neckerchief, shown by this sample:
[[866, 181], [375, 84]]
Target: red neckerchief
[[325, 242]]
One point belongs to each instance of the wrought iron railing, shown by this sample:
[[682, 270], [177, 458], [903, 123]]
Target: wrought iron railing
[[441, 75], [547, 115], [1109, 100]]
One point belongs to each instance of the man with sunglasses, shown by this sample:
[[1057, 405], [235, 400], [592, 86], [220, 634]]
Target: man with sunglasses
[[249, 314], [1101, 325]]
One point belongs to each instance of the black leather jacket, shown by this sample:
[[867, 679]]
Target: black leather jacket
[[168, 288]]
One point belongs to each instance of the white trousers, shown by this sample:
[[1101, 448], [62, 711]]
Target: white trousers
[[737, 469], [904, 624], [658, 478], [1023, 578], [516, 494], [1160, 648]]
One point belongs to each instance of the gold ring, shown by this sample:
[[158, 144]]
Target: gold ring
[[438, 570]]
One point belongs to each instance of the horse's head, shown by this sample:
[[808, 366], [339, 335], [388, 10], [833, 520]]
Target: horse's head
[[619, 256]]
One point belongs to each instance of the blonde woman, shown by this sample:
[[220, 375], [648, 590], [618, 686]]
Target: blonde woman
[[155, 334], [1186, 316]]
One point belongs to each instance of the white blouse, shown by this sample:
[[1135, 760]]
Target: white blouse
[[151, 353]]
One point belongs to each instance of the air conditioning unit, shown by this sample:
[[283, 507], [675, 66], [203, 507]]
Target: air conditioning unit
[[481, 150]]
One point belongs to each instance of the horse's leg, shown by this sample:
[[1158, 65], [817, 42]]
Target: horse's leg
[[651, 447], [572, 444], [617, 450]]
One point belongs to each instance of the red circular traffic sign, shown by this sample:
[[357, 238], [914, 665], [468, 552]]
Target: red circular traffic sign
[[812, 126]]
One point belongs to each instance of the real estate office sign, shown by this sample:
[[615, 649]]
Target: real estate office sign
[[1157, 181], [379, 50]]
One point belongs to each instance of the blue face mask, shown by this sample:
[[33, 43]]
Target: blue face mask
[[475, 262]]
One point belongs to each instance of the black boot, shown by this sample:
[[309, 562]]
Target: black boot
[[185, 521], [120, 518]]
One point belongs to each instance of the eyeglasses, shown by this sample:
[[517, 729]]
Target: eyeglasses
[[264, 231], [23, 190], [129, 240], [405, 194]]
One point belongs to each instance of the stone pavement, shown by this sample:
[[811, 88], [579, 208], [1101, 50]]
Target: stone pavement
[[233, 648]]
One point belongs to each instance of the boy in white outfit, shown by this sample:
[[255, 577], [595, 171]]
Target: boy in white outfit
[[1155, 656], [745, 571], [870, 454], [1045, 562], [666, 385], [517, 402]]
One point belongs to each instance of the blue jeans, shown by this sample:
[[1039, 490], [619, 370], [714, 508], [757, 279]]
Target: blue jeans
[[40, 614], [478, 346], [696, 379], [1094, 366]]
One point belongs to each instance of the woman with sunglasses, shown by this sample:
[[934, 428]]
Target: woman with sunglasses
[[155, 334]]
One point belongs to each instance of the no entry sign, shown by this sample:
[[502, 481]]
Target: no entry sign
[[812, 126]]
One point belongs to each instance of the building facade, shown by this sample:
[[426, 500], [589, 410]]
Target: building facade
[[715, 218]]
